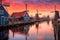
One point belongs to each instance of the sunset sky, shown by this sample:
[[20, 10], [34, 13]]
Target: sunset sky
[[44, 7]]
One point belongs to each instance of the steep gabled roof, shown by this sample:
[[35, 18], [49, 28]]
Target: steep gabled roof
[[5, 13], [18, 14]]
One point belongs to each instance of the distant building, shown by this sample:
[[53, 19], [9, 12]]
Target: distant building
[[37, 17], [21, 16], [56, 15], [3, 16]]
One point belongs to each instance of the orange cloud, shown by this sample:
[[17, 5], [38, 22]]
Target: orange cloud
[[42, 8]]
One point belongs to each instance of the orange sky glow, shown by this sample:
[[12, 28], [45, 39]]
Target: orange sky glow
[[43, 8]]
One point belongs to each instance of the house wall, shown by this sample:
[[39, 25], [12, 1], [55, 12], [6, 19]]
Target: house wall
[[3, 16], [26, 17]]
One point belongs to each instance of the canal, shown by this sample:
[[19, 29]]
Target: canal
[[37, 31]]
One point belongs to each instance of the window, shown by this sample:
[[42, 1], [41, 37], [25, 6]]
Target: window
[[1, 11]]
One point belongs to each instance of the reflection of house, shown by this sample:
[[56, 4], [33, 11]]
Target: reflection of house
[[21, 15], [26, 29], [4, 35], [22, 29], [3, 15]]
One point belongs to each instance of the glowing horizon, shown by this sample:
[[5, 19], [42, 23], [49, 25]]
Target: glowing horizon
[[43, 7]]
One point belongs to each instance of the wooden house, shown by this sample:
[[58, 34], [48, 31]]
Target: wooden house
[[3, 15], [21, 16]]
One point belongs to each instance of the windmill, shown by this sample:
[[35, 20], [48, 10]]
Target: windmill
[[55, 12], [55, 21], [56, 16], [36, 16]]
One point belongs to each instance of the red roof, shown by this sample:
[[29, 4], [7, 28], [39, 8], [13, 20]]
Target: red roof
[[18, 14]]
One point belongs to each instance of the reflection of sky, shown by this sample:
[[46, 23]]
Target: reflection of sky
[[17, 37], [45, 32]]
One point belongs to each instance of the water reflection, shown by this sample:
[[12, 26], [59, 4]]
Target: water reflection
[[38, 31], [26, 29], [48, 22], [56, 27], [37, 25], [23, 30], [4, 35], [59, 32]]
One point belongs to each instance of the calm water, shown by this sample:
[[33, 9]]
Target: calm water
[[38, 31]]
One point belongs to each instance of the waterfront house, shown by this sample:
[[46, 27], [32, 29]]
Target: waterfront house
[[3, 15], [21, 16]]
